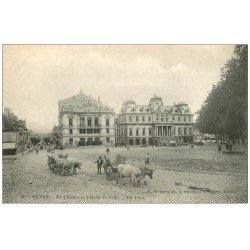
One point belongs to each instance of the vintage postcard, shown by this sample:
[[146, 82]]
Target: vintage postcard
[[125, 124]]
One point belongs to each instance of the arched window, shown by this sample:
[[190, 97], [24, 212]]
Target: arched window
[[89, 121], [82, 121], [96, 121], [130, 142]]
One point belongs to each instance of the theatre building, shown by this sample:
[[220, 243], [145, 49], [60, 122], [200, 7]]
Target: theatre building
[[154, 123], [84, 120]]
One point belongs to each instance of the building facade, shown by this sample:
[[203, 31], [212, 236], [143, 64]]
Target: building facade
[[154, 123], [15, 134], [84, 121]]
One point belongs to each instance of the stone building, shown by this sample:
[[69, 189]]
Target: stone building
[[83, 121], [154, 123], [15, 134]]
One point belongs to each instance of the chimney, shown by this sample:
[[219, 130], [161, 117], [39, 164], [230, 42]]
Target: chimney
[[7, 111]]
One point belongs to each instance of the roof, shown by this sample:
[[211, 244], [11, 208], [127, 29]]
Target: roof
[[84, 103], [8, 125], [155, 98]]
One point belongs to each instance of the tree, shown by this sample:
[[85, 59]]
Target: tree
[[224, 111]]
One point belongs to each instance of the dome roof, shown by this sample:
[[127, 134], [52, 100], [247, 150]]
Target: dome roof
[[155, 98], [129, 102]]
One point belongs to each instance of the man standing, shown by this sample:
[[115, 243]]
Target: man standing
[[99, 165], [219, 149], [147, 161]]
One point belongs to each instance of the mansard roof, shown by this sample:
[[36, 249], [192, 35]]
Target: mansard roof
[[131, 107], [83, 103]]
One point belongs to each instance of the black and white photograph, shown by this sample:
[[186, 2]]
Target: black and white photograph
[[124, 125], [150, 124]]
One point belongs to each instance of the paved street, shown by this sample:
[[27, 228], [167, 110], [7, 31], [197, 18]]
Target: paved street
[[183, 175]]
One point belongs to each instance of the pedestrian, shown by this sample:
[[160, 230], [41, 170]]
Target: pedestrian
[[99, 165], [219, 149], [230, 147], [107, 150], [147, 161]]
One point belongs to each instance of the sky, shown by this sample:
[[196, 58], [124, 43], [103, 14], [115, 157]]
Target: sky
[[36, 77]]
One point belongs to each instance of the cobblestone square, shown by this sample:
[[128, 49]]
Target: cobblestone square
[[183, 175]]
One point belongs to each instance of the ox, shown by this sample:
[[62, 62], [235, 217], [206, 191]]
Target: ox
[[133, 172], [63, 166], [63, 156], [146, 172]]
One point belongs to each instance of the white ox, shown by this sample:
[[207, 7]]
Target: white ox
[[133, 172]]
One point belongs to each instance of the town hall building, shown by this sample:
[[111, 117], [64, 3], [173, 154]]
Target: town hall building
[[154, 123]]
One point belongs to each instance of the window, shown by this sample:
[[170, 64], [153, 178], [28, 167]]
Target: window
[[107, 122], [190, 131], [137, 131], [82, 121], [82, 131], [166, 118], [124, 119], [174, 130], [179, 131], [130, 131], [185, 131], [179, 119], [70, 122], [107, 139], [130, 118], [150, 131], [71, 141], [143, 118], [149, 118], [190, 119], [173, 118], [143, 131], [71, 131], [157, 118], [107, 131], [185, 118], [137, 118], [89, 121], [162, 119], [96, 121]]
